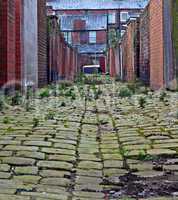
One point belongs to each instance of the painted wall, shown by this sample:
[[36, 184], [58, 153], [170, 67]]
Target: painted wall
[[7, 41], [30, 44]]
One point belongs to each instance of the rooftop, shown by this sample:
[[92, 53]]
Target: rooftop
[[96, 4]]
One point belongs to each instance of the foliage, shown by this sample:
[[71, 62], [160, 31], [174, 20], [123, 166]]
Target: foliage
[[6, 120], [177, 114], [16, 99], [44, 93], [113, 38], [50, 115], [35, 122], [1, 104], [125, 92], [63, 104], [163, 96], [65, 123], [96, 91], [143, 156], [142, 102], [132, 87], [124, 153]]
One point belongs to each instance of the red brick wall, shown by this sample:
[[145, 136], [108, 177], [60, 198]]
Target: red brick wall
[[19, 46], [101, 37], [63, 63], [130, 54], [7, 41], [111, 62], [42, 44], [156, 44]]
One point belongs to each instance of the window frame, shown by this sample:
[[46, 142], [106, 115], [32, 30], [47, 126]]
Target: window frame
[[121, 16], [112, 17], [92, 39]]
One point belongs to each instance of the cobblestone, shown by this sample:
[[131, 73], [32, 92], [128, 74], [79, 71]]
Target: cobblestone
[[85, 152]]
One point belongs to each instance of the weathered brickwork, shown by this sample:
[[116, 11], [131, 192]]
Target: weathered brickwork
[[63, 59], [144, 62], [156, 44], [19, 41], [7, 41], [149, 52], [130, 54], [42, 44]]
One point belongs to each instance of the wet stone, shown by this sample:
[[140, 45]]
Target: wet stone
[[26, 170], [82, 180], [27, 179], [45, 195], [55, 165], [58, 151], [113, 164], [90, 165], [5, 175], [54, 173], [64, 146], [91, 157], [91, 195], [38, 143], [114, 171], [89, 172], [58, 157], [161, 152], [31, 154], [18, 161], [5, 153], [20, 148], [4, 167], [56, 181], [89, 187], [13, 197]]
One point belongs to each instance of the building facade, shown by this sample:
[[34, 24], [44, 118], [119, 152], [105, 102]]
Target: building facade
[[23, 44], [86, 23]]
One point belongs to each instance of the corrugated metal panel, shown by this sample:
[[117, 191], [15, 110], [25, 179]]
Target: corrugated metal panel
[[97, 4], [93, 22], [92, 48]]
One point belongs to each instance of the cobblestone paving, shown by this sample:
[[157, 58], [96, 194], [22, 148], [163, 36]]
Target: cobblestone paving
[[88, 144]]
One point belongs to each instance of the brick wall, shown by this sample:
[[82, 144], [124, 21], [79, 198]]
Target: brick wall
[[63, 59], [156, 44], [7, 41], [101, 37], [144, 63], [130, 54], [42, 44], [19, 40]]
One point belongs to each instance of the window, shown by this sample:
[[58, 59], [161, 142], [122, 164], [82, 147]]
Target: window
[[124, 16], [92, 37], [112, 18], [122, 32], [69, 38], [65, 36]]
